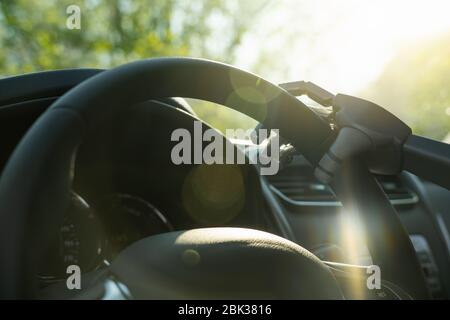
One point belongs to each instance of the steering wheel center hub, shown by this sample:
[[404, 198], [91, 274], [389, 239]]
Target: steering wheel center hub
[[221, 263]]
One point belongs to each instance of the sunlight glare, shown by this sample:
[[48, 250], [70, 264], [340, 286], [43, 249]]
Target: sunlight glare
[[340, 45]]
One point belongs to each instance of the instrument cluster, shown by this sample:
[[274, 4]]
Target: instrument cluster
[[90, 238]]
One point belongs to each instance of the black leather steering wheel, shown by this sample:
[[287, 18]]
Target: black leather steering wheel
[[200, 263]]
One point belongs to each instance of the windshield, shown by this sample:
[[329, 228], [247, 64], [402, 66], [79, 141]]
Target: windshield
[[395, 53]]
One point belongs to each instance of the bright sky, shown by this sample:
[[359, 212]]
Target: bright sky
[[341, 45]]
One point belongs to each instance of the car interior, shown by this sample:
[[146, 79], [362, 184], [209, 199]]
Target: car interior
[[87, 180]]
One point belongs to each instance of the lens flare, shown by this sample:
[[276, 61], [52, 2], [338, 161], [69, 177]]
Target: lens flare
[[214, 194]]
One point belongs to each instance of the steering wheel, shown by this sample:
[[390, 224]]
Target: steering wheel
[[201, 263]]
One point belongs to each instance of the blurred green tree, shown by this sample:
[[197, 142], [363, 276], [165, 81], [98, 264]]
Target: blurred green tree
[[34, 36], [415, 87]]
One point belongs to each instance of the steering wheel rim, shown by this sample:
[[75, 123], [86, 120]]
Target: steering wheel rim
[[35, 184]]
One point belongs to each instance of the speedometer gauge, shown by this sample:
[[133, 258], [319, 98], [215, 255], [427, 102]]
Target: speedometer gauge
[[128, 219], [79, 242]]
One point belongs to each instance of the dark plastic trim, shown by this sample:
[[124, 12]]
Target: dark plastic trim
[[427, 158], [41, 84]]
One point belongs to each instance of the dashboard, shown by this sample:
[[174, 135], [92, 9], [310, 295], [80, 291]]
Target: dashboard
[[321, 225], [125, 188], [91, 238]]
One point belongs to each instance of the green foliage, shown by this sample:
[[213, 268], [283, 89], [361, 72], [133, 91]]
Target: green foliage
[[415, 87], [221, 117], [34, 36]]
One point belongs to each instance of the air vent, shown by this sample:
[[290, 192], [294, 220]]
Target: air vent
[[297, 185]]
